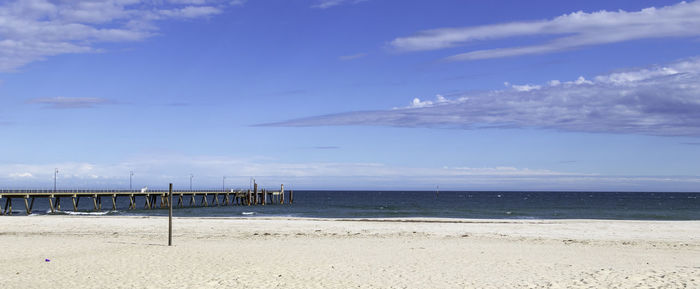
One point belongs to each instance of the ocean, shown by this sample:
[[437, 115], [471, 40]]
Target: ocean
[[446, 204]]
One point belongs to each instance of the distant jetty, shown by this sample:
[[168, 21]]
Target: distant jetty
[[151, 199]]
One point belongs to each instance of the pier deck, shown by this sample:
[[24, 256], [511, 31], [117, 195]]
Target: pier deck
[[150, 198]]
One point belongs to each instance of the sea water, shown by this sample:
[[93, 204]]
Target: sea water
[[446, 204]]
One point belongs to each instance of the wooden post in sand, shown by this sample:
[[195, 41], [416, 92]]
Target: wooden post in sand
[[170, 215]]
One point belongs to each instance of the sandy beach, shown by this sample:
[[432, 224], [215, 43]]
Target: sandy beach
[[132, 252]]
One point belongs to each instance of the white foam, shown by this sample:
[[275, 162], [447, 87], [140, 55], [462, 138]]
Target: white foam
[[86, 213], [248, 213]]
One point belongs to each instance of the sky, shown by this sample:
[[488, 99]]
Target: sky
[[351, 94]]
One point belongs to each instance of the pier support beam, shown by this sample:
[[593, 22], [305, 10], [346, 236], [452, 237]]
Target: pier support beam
[[114, 202], [204, 200], [27, 204], [8, 207], [76, 200], [193, 201], [51, 206], [132, 202]]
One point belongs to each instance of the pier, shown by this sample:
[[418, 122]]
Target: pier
[[146, 199]]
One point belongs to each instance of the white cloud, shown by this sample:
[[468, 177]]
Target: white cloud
[[440, 99], [418, 103], [325, 4], [573, 30], [191, 2], [525, 87], [661, 100], [32, 30], [71, 102], [21, 175], [191, 12]]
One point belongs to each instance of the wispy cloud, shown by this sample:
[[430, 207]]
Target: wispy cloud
[[70, 102], [325, 4], [326, 147], [238, 2], [34, 30], [163, 167], [573, 30], [352, 56], [663, 100], [156, 171]]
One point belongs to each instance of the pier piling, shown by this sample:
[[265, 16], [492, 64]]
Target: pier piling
[[51, 206]]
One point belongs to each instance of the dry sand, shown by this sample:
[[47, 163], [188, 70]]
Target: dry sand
[[131, 252]]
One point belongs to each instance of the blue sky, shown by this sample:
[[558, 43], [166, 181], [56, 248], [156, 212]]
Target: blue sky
[[374, 94]]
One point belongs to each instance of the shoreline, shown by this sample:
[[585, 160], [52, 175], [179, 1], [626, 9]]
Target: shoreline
[[274, 252]]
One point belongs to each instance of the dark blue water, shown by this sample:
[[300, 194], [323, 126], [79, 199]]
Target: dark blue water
[[391, 204]]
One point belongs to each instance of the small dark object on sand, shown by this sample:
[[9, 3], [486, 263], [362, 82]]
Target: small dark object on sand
[[47, 260]]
